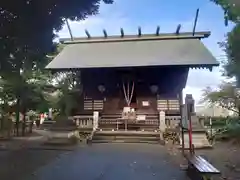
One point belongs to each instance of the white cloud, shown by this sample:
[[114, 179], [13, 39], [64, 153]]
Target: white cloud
[[203, 78]]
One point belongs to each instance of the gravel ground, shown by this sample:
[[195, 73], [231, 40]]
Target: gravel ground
[[21, 156], [113, 162], [16, 165], [99, 161], [226, 157]]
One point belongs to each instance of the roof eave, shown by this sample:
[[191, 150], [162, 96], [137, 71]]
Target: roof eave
[[196, 66]]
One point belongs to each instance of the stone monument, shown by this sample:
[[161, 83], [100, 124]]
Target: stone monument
[[199, 138]]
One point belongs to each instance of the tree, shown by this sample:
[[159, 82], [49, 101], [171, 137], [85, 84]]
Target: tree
[[232, 44], [231, 47], [31, 90], [27, 33], [28, 25], [68, 89], [227, 96], [231, 10]]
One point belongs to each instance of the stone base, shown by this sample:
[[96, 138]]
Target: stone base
[[63, 138]]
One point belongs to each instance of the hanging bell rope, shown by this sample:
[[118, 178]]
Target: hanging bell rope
[[130, 98], [128, 103], [124, 91]]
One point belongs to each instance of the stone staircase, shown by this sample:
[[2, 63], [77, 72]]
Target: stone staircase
[[199, 140], [126, 137], [199, 136]]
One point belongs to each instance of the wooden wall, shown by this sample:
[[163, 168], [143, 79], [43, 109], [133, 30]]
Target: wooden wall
[[170, 81]]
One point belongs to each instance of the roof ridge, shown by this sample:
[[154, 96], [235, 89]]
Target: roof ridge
[[142, 37]]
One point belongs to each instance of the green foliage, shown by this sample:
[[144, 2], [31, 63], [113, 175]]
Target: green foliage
[[27, 26], [219, 122], [230, 131], [68, 90], [231, 9], [226, 97], [30, 87], [232, 44], [27, 30], [231, 47]]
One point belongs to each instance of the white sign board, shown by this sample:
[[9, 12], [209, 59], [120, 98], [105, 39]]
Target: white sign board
[[145, 103], [141, 117]]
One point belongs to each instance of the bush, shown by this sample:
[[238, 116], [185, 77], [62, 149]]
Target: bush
[[230, 131], [221, 121]]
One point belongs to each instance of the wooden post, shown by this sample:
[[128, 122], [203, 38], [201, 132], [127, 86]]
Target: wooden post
[[69, 29], [181, 121], [87, 33], [158, 30], [211, 130], [139, 31], [178, 29], [105, 33], [122, 32], [188, 104]]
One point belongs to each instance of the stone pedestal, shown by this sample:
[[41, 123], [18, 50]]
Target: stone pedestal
[[162, 122]]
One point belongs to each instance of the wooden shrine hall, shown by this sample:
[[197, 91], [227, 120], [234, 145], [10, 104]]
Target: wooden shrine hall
[[140, 74]]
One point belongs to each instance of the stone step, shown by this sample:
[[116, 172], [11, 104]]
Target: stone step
[[126, 141], [199, 140], [127, 133], [126, 136]]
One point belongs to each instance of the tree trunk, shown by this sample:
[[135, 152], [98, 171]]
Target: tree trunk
[[238, 111], [18, 95], [24, 123], [17, 115], [30, 118]]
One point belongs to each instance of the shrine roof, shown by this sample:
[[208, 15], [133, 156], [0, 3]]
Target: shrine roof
[[134, 51]]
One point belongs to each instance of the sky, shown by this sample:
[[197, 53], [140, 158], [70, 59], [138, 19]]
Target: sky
[[130, 14]]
